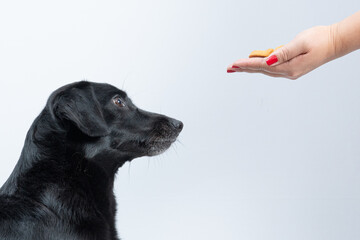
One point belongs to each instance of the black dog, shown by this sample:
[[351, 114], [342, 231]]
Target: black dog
[[62, 186]]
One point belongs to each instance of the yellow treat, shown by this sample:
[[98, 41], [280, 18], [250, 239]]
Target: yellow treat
[[260, 53], [278, 47]]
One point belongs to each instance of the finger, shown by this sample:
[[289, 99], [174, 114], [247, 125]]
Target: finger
[[255, 65], [292, 69], [250, 63], [286, 53], [255, 71], [288, 68], [263, 72], [230, 69]]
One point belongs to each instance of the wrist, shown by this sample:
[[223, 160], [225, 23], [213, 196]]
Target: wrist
[[346, 35], [336, 44]]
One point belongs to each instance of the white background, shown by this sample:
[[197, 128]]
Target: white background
[[259, 158]]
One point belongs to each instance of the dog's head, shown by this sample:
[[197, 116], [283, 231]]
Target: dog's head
[[100, 118]]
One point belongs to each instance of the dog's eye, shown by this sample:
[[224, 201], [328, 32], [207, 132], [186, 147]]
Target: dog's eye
[[118, 101]]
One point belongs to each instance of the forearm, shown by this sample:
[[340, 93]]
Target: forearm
[[347, 35]]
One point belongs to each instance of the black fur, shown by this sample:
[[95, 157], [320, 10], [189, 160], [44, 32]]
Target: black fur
[[62, 185]]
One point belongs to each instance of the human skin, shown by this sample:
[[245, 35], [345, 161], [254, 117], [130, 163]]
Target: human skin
[[307, 51]]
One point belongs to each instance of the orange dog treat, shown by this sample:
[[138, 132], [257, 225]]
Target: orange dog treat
[[261, 53]]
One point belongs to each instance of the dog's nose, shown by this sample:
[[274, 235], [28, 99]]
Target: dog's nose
[[177, 124]]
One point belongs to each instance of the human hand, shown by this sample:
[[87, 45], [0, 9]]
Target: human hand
[[307, 51]]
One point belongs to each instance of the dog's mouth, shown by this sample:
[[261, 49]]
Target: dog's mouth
[[147, 147], [152, 141], [159, 146]]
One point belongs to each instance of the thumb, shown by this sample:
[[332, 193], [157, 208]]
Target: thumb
[[285, 53]]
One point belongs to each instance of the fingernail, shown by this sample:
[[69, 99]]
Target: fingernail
[[271, 60], [233, 66], [230, 71]]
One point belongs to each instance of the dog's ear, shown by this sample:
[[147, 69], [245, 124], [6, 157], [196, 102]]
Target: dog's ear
[[81, 108]]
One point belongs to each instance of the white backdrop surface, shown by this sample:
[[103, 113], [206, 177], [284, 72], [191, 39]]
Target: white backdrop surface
[[259, 158]]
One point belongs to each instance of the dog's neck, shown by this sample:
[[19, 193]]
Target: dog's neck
[[35, 151], [79, 176]]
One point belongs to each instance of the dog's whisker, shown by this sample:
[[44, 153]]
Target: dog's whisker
[[174, 148], [123, 84], [129, 171], [148, 163], [178, 141]]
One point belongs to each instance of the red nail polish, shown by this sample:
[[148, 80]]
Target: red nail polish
[[271, 60], [230, 71], [233, 66]]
